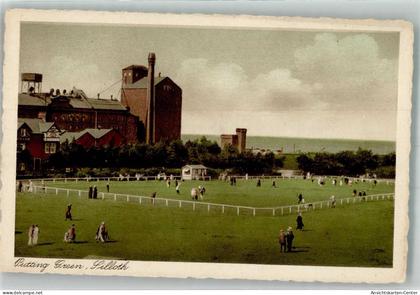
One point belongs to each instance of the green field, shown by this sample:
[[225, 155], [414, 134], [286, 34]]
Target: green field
[[245, 193], [358, 234]]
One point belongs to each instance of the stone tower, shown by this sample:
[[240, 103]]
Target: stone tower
[[241, 134]]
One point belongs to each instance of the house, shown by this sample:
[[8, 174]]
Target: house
[[38, 140], [194, 172], [94, 137]]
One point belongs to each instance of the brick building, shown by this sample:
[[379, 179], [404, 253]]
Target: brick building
[[38, 138], [157, 101], [75, 112], [237, 140]]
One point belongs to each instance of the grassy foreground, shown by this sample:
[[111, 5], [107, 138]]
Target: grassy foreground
[[358, 234]]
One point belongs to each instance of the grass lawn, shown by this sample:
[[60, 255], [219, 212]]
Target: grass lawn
[[245, 193], [358, 234]]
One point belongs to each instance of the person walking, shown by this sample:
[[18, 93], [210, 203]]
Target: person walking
[[299, 221], [95, 192], [35, 235], [68, 212], [282, 241], [31, 235], [107, 187], [289, 239]]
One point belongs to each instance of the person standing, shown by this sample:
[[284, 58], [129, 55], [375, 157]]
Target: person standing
[[31, 235], [95, 192], [194, 195], [282, 241], [35, 235], [178, 184], [289, 239], [90, 194], [72, 233], [68, 212], [333, 201], [274, 183], [259, 183], [299, 221], [107, 187]]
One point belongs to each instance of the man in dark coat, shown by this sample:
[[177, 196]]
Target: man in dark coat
[[95, 192], [68, 212], [299, 221], [289, 239], [300, 197]]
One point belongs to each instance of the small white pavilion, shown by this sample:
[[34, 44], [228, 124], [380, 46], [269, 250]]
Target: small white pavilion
[[194, 172]]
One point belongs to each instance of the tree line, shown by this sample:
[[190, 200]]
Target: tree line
[[173, 154], [350, 163]]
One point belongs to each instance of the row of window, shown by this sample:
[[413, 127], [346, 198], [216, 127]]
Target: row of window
[[49, 147]]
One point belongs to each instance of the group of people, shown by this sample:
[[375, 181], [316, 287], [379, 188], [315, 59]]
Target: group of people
[[198, 192], [286, 240], [101, 234], [93, 192], [33, 235]]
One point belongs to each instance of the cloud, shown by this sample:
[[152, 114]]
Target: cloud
[[337, 87], [226, 86], [351, 71]]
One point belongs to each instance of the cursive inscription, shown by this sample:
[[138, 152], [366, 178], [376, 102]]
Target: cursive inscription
[[62, 264]]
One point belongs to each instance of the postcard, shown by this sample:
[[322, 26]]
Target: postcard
[[205, 146]]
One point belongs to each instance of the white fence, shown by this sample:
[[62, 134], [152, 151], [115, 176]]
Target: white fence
[[108, 178], [206, 178], [214, 207]]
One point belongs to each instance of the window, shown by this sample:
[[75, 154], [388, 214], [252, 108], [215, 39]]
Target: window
[[50, 147], [23, 132], [21, 147]]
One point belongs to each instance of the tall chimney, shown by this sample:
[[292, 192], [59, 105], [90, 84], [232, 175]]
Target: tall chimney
[[150, 124]]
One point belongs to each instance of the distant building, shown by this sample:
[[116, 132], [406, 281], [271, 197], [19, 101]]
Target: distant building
[[194, 172], [40, 139], [93, 137], [157, 101], [237, 140]]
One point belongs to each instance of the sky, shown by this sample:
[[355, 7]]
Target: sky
[[273, 82]]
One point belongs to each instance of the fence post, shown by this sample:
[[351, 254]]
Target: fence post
[[237, 211], [76, 180], [348, 201], [341, 202], [290, 209], [80, 193], [208, 207], [53, 179], [68, 193], [56, 191], [281, 210], [253, 212], [65, 180], [383, 197], [223, 209], [103, 196], [128, 198], [274, 212], [166, 203], [180, 204], [321, 205]]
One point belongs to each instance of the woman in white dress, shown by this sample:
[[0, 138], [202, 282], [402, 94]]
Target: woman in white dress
[[35, 235]]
